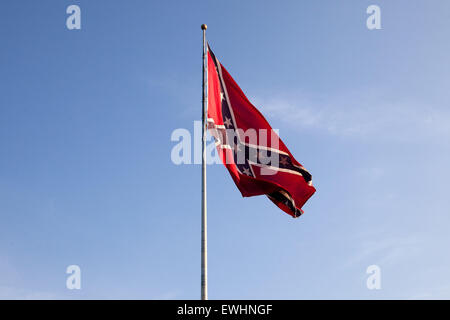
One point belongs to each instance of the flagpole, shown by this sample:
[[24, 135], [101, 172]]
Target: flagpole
[[204, 259]]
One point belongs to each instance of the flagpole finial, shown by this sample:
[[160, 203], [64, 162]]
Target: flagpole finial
[[204, 27]]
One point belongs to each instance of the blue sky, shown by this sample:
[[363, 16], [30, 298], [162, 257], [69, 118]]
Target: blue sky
[[86, 176]]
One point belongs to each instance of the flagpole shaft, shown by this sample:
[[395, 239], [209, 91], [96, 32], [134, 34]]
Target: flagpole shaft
[[204, 252]]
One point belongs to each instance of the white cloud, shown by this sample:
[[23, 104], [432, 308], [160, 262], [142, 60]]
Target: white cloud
[[361, 115], [371, 173], [386, 250], [13, 293]]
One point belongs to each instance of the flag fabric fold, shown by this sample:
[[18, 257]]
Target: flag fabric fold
[[255, 156]]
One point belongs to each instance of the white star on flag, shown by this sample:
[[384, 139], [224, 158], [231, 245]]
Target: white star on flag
[[284, 161], [227, 122]]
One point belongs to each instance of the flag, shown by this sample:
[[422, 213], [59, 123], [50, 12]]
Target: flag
[[256, 158]]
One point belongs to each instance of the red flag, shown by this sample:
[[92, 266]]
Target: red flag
[[256, 158]]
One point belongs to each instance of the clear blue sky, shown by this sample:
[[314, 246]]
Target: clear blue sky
[[86, 176]]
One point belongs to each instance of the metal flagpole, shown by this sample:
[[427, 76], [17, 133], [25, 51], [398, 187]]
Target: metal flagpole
[[204, 274]]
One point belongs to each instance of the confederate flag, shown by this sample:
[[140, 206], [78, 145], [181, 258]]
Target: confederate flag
[[256, 158]]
